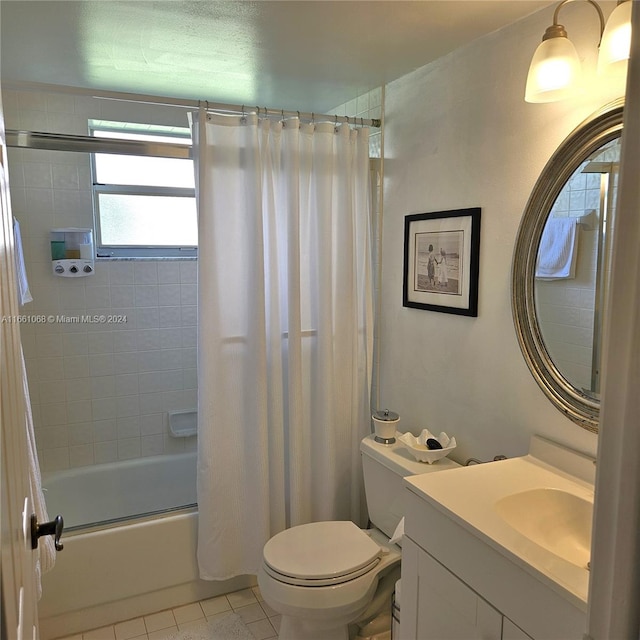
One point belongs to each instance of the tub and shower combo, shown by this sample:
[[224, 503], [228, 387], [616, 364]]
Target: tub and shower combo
[[129, 543]]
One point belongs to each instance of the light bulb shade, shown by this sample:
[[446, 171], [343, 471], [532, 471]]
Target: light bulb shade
[[554, 71], [616, 41]]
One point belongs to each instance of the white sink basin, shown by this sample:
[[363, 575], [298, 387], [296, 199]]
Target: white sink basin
[[535, 510], [557, 520]]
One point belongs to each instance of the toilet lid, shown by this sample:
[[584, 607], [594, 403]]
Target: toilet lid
[[321, 550]]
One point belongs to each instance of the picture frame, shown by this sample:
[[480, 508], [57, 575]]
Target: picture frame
[[442, 261]]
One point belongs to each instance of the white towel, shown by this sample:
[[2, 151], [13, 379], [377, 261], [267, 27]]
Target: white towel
[[398, 533], [557, 251], [46, 548], [21, 272]]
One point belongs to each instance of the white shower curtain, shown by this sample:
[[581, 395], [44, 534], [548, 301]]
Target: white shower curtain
[[285, 331]]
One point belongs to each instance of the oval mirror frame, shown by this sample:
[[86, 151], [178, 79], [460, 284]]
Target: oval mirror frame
[[599, 129]]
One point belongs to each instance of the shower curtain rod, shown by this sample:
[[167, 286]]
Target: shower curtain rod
[[313, 117], [193, 104]]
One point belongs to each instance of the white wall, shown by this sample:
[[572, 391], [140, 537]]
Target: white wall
[[458, 134]]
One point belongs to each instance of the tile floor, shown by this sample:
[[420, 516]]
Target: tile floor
[[261, 620]]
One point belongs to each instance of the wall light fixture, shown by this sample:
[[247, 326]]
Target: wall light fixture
[[555, 67]]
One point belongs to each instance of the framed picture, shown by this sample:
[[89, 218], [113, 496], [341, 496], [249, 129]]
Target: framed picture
[[442, 260]]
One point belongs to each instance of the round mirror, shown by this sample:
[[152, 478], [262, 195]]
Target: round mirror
[[561, 266]]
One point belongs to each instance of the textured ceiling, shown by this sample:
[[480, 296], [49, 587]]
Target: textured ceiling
[[307, 55]]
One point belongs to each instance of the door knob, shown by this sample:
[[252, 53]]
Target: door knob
[[53, 528]]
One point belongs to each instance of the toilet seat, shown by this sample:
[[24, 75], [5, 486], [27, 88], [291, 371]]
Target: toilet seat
[[321, 554]]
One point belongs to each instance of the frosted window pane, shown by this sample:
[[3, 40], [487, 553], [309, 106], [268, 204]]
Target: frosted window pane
[[142, 170], [127, 220]]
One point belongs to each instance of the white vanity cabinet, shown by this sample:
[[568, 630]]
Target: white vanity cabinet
[[459, 585], [442, 607], [439, 606]]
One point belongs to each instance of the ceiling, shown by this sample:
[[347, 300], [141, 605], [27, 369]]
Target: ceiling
[[306, 55]]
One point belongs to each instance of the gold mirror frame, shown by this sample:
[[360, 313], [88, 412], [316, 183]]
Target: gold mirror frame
[[599, 129]]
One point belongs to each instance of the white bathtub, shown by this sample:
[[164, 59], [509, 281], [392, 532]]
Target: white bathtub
[[106, 492], [120, 572]]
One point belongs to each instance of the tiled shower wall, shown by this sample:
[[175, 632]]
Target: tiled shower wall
[[100, 392]]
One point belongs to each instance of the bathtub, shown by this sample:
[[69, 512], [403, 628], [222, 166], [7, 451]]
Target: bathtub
[[129, 568], [119, 490]]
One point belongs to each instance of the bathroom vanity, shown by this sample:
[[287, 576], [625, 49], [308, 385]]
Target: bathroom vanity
[[499, 550]]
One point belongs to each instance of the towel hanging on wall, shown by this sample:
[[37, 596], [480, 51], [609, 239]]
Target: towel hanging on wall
[[557, 252], [24, 294]]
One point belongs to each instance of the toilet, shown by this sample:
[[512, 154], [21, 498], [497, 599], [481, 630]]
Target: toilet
[[333, 580]]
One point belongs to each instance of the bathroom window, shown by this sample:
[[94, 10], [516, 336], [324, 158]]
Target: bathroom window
[[145, 204]]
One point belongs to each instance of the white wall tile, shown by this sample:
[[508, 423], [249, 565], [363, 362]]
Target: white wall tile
[[188, 294], [127, 406], [151, 424], [145, 272], [48, 345], [169, 272], [90, 382], [50, 368], [126, 384], [122, 295], [104, 430], [120, 273], [150, 402], [169, 317], [52, 437], [147, 317], [80, 433], [75, 345], [76, 367], [146, 295], [152, 445], [105, 452], [125, 363], [103, 387], [77, 389], [55, 459], [54, 414], [124, 341], [169, 294], [189, 316], [102, 364], [101, 342], [79, 411], [128, 427], [129, 448], [81, 455], [189, 272], [103, 408], [170, 338]]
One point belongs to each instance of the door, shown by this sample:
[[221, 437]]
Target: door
[[19, 597]]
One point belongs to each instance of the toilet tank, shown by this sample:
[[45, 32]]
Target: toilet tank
[[384, 466]]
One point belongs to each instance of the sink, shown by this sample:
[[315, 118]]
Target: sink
[[554, 519]]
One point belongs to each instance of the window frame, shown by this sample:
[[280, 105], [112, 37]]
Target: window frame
[[150, 148]]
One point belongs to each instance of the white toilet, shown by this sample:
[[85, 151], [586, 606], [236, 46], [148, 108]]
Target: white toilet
[[324, 577]]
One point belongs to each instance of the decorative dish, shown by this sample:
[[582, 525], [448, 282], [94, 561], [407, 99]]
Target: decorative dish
[[421, 451]]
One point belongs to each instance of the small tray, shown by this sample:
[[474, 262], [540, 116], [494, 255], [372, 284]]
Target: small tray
[[419, 450]]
